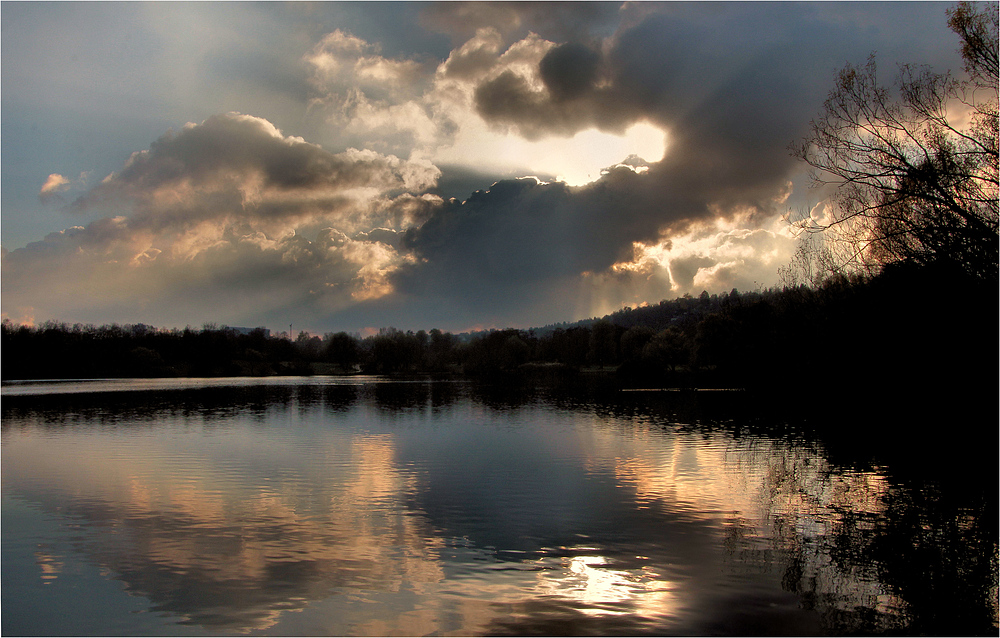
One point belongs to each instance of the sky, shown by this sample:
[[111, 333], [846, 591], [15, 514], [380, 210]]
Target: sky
[[461, 166]]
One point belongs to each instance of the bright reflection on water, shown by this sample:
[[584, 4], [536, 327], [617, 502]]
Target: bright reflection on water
[[357, 507]]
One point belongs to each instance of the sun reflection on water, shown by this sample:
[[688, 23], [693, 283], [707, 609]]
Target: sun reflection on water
[[590, 580], [366, 526], [49, 564]]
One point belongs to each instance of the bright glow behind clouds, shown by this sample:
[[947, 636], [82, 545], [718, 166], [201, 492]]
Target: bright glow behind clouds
[[575, 160], [340, 222]]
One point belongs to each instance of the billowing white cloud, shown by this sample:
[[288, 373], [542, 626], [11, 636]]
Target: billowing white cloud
[[345, 64], [734, 253], [227, 217], [436, 114], [240, 167], [55, 183], [369, 99]]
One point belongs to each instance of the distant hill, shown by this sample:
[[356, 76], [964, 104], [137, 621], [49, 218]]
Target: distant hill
[[658, 316]]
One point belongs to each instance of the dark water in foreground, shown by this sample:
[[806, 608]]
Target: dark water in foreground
[[327, 506]]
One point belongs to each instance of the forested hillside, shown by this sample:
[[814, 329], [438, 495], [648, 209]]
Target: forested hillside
[[908, 330]]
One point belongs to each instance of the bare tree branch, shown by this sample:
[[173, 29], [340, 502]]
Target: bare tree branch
[[911, 184]]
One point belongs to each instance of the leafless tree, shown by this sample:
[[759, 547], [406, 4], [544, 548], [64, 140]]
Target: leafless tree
[[916, 167]]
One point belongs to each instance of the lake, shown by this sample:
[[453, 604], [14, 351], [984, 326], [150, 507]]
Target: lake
[[363, 506]]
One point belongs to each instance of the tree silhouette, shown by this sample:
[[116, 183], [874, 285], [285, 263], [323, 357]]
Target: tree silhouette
[[912, 183], [668, 348], [342, 349], [602, 343]]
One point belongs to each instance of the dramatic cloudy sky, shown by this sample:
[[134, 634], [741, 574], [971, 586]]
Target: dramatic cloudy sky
[[348, 166]]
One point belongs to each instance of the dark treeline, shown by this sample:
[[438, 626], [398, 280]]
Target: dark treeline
[[652, 337], [909, 329]]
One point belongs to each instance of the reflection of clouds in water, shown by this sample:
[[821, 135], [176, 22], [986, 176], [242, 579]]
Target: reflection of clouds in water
[[777, 498], [234, 559], [232, 527]]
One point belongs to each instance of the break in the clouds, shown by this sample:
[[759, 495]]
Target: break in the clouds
[[483, 165]]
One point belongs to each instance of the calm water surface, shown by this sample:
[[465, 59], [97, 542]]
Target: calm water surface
[[332, 506]]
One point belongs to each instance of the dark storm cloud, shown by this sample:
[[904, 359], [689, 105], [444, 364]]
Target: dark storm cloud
[[729, 123], [577, 95], [509, 100], [732, 84], [569, 71], [734, 79], [693, 78], [503, 246], [461, 181]]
